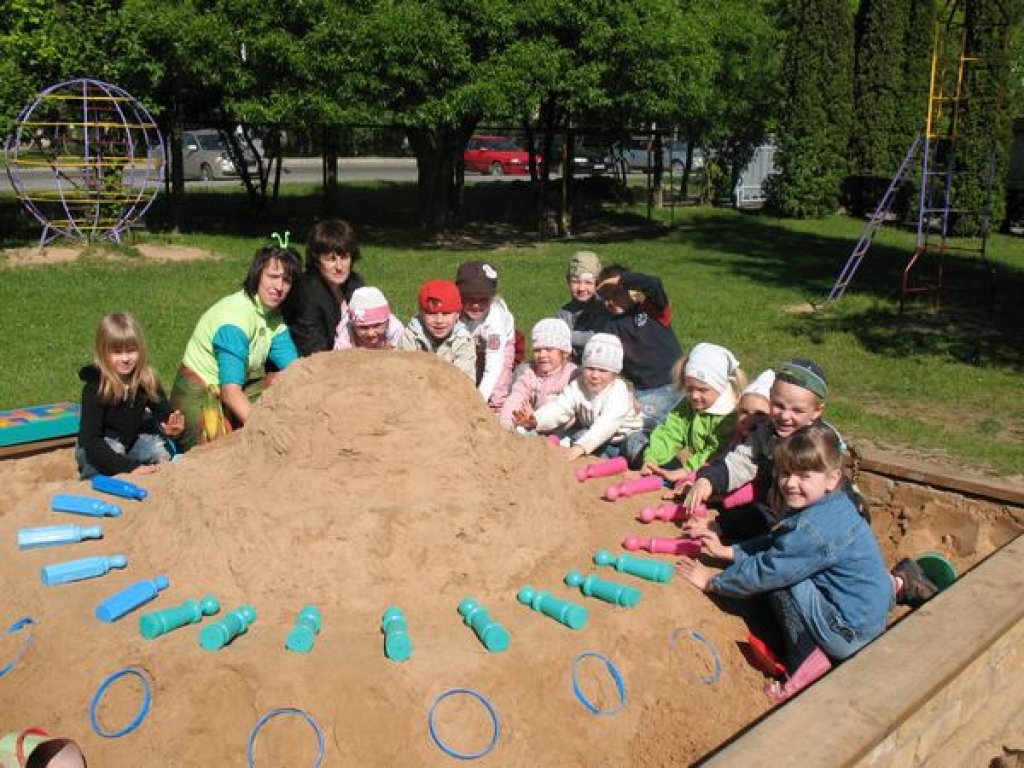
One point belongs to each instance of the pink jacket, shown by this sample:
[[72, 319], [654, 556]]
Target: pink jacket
[[535, 390]]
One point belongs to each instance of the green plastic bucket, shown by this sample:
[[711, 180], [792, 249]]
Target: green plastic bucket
[[937, 568]]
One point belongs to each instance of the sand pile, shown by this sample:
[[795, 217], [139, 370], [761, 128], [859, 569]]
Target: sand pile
[[365, 480]]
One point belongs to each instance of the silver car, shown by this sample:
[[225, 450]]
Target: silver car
[[207, 158]]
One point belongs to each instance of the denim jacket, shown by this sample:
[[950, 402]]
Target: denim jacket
[[828, 543]]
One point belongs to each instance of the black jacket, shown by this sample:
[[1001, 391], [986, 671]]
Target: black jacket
[[122, 421], [314, 314]]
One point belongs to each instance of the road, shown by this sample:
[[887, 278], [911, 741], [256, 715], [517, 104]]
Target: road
[[295, 171]]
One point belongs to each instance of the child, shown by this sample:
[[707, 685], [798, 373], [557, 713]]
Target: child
[[549, 374], [642, 319], [701, 425], [492, 326], [585, 314], [122, 401], [797, 399], [754, 404], [598, 403], [368, 323], [436, 328], [821, 566]]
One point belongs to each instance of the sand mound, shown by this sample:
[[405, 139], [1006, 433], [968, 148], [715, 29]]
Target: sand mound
[[365, 480]]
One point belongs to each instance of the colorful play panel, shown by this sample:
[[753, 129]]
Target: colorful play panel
[[37, 424]]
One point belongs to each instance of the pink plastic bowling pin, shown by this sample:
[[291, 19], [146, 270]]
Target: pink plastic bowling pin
[[740, 497], [605, 468], [633, 487], [670, 513], [663, 546]]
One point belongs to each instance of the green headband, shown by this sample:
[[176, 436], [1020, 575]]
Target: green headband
[[803, 377]]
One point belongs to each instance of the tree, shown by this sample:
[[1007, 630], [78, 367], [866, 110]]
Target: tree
[[816, 108]]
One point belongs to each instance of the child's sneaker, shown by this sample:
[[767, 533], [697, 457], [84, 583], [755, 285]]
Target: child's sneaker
[[917, 588]]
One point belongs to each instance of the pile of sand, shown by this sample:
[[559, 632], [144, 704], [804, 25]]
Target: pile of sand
[[365, 480]]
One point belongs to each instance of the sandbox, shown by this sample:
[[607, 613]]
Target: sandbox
[[365, 481]]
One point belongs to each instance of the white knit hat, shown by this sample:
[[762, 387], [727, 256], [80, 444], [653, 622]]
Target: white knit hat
[[715, 366], [603, 351], [552, 333], [368, 307], [762, 385]]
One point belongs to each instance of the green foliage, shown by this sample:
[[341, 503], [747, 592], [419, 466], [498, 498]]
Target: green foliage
[[816, 113]]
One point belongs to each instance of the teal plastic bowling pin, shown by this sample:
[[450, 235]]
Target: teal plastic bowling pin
[[54, 535], [127, 600], [116, 487], [609, 591], [215, 636], [494, 637], [303, 634], [83, 505], [571, 615], [156, 623], [652, 570], [397, 645], [76, 570]]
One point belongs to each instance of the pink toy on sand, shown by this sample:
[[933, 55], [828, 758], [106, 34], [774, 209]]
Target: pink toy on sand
[[633, 487], [740, 497], [606, 468], [670, 512], [663, 546]]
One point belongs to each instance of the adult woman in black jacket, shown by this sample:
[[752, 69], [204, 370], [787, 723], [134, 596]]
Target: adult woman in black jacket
[[326, 285]]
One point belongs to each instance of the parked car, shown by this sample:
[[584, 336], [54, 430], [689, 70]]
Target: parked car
[[586, 160], [634, 155], [206, 157], [496, 155]]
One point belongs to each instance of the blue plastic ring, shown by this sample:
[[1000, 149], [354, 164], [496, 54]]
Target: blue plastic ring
[[147, 698], [620, 684], [20, 624], [490, 710], [287, 711], [707, 679]]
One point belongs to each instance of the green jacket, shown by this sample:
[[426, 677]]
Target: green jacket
[[702, 434]]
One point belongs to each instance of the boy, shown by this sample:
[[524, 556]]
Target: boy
[[642, 319], [585, 314], [436, 328]]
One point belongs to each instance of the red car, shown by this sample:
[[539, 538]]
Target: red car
[[496, 155]]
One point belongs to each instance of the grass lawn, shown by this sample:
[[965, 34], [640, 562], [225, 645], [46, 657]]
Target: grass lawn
[[944, 383]]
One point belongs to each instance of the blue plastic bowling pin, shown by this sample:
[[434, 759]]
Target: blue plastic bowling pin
[[117, 487], [140, 593], [494, 636], [83, 505], [397, 645], [307, 627], [215, 636], [644, 568], [609, 591], [52, 535], [75, 570], [571, 615], [156, 623]]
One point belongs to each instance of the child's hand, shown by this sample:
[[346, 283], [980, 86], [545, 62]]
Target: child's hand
[[524, 417], [145, 469], [680, 478], [695, 573], [698, 494], [575, 452], [174, 425], [711, 544]]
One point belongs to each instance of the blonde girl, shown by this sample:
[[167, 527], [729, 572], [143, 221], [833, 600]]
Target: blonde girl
[[123, 405], [703, 422]]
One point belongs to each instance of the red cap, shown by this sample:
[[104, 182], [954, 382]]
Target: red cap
[[440, 296]]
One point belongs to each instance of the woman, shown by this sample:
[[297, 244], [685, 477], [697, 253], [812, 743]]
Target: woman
[[326, 287], [223, 370]]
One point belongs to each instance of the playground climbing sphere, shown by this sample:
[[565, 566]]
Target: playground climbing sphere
[[100, 154]]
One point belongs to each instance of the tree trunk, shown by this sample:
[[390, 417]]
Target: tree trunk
[[330, 169], [439, 173]]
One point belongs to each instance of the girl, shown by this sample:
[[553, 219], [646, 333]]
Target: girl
[[597, 403], [368, 322], [712, 381], [820, 565], [549, 374], [488, 320], [224, 367], [754, 405], [122, 403], [584, 313]]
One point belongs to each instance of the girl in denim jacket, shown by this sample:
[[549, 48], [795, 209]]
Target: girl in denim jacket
[[820, 566]]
